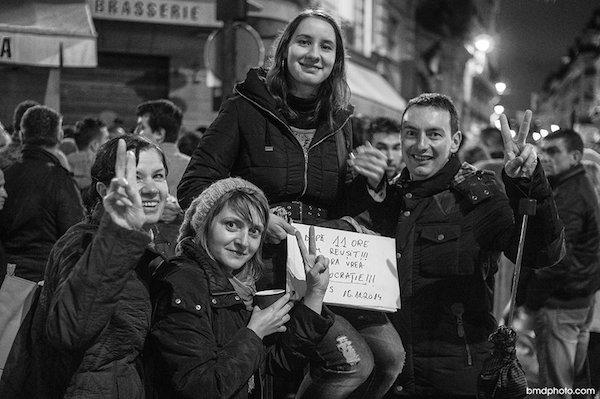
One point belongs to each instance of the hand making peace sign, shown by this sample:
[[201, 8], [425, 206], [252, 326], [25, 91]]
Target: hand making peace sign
[[122, 200], [520, 158], [315, 267]]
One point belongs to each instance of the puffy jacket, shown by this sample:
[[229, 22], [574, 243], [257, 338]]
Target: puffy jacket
[[450, 230], [43, 202], [199, 342], [252, 140], [93, 315], [577, 276]]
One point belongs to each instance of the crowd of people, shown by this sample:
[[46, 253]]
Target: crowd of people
[[151, 244]]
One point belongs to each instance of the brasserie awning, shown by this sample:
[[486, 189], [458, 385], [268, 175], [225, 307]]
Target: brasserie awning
[[372, 95], [48, 33]]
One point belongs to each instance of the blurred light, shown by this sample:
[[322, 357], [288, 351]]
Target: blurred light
[[554, 128], [543, 132], [536, 136], [483, 43], [512, 133], [500, 87], [499, 109], [497, 123]]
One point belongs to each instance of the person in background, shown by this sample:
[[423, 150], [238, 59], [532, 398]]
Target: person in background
[[187, 142], [90, 134], [562, 296], [287, 130], [94, 310], [451, 222], [12, 152], [3, 195], [43, 201], [160, 122], [491, 140], [592, 170], [67, 144], [384, 134]]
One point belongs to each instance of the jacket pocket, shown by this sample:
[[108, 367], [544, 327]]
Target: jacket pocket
[[438, 252]]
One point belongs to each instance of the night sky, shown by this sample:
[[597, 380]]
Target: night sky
[[532, 36]]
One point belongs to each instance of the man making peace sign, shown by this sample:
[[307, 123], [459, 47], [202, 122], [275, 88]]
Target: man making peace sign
[[451, 222]]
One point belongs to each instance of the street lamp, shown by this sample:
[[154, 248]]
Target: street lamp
[[554, 128], [483, 43], [499, 109], [500, 88]]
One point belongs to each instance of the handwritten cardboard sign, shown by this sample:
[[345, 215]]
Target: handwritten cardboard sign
[[362, 268]]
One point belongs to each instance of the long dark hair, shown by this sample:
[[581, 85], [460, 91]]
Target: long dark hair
[[103, 169], [333, 94]]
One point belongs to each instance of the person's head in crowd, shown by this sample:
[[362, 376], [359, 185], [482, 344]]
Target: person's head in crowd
[[560, 151], [430, 134], [474, 154], [90, 134], [309, 62], [18, 115], [229, 220], [151, 168], [491, 139], [3, 193], [188, 142], [41, 126], [159, 120], [4, 137], [384, 134]]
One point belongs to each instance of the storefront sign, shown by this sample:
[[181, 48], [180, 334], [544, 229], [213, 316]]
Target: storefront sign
[[175, 12], [45, 50], [362, 268]]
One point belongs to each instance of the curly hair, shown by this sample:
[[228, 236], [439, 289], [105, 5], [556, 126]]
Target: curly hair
[[41, 126], [333, 94]]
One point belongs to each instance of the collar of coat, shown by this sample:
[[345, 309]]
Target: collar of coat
[[255, 89], [38, 153], [218, 283], [562, 177]]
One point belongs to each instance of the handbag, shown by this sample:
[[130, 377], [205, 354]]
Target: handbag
[[16, 297]]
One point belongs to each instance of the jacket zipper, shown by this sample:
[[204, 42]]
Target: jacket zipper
[[458, 310], [290, 130]]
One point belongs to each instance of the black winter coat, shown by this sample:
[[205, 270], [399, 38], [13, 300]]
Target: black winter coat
[[577, 276], [199, 342], [43, 202], [93, 315], [252, 140], [450, 230]]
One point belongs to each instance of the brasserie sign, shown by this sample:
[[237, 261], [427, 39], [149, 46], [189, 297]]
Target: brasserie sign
[[173, 12]]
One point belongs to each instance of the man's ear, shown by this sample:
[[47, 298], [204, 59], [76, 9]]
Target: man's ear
[[456, 140], [101, 189], [159, 135], [576, 157]]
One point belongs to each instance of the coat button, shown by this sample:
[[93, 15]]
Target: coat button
[[474, 197], [486, 192], [440, 237], [198, 307], [407, 213], [408, 195], [214, 301], [178, 301], [237, 298]]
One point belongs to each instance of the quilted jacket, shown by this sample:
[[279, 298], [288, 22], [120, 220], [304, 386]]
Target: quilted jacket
[[199, 341]]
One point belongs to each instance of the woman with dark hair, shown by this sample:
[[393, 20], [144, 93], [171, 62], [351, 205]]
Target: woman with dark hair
[[287, 129], [208, 339], [94, 310]]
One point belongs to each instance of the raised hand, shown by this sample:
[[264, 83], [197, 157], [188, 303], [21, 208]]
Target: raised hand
[[520, 158], [278, 229], [316, 269], [368, 161], [122, 200], [271, 319]]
